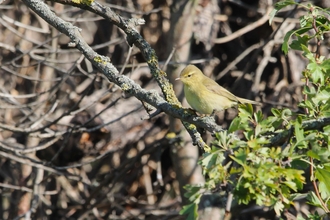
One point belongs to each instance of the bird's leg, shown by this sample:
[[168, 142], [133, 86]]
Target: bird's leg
[[192, 111], [213, 113]]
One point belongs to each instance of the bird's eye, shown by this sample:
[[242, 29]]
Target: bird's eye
[[189, 75]]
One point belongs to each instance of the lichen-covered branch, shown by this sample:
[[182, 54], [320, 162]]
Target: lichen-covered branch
[[133, 38], [171, 106]]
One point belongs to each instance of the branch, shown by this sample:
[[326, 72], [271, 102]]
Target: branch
[[39, 165], [171, 107], [314, 124]]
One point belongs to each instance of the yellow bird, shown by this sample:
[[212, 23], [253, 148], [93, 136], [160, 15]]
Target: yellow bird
[[204, 94]]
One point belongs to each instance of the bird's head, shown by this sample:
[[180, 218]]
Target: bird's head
[[190, 75]]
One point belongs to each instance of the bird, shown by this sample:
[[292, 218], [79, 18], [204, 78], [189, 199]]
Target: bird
[[205, 95]]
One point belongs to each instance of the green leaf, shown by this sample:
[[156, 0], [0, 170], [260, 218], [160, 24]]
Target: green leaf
[[325, 65], [299, 133], [192, 192], [308, 54], [190, 210], [279, 6], [323, 188], [245, 113], [305, 20], [325, 109], [318, 151], [278, 208], [309, 90], [223, 140], [249, 108], [323, 175], [308, 104], [314, 216], [291, 184], [240, 157], [298, 196], [285, 45], [317, 74], [322, 23], [297, 44], [286, 114], [322, 96], [276, 112], [234, 125], [258, 117], [272, 15], [312, 154], [313, 199], [212, 160]]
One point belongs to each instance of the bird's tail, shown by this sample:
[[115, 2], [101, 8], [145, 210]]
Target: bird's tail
[[245, 101]]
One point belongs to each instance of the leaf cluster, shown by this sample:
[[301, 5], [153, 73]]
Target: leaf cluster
[[269, 160], [257, 170]]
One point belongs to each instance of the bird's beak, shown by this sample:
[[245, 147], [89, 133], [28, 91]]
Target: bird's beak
[[177, 79]]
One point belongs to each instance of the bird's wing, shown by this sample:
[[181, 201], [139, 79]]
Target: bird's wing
[[212, 86]]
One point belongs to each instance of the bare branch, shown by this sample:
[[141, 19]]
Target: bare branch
[[172, 106]]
